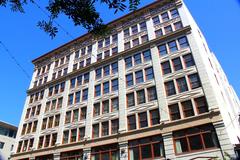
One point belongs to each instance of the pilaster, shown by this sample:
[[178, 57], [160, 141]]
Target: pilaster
[[123, 150], [162, 102], [168, 145], [122, 96]]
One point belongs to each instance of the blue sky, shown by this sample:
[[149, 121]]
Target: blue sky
[[218, 20]]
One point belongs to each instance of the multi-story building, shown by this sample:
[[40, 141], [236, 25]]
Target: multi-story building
[[150, 90], [7, 139]]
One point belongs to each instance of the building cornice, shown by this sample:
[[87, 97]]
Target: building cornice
[[112, 58], [113, 24]]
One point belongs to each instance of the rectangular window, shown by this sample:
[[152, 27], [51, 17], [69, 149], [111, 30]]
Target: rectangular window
[[85, 95], [195, 139], [62, 86], [114, 67], [83, 113], [182, 85], [149, 73], [95, 131], [114, 126], [57, 120], [83, 51], [201, 104], [177, 65], [75, 66], [156, 20], [100, 44], [96, 109], [105, 128], [65, 71], [172, 46], [143, 120], [114, 50], [162, 49], [114, 38], [86, 77], [146, 148], [88, 61], [75, 115], [107, 41], [114, 85], [44, 123], [147, 55], [130, 100], [135, 42], [174, 112], [134, 29], [89, 49], [72, 82], [129, 79], [131, 122], [139, 76], [59, 104], [73, 135], [159, 33], [54, 139], [183, 42], [137, 59], [97, 90], [178, 25], [187, 108], [170, 89], [143, 26], [168, 29], [105, 107], [106, 54], [144, 38], [70, 99], [40, 142], [188, 59], [65, 137], [194, 81], [141, 97], [127, 45], [81, 134], [99, 56], [115, 104], [106, 70], [98, 73], [126, 33], [174, 13], [68, 117], [166, 68], [79, 80], [81, 64], [105, 87], [165, 16], [128, 62], [47, 141], [155, 118], [50, 122], [152, 94]]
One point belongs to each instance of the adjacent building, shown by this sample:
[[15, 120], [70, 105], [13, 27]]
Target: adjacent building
[[151, 89], [7, 139]]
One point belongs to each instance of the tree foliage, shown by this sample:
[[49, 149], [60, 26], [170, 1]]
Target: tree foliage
[[81, 12]]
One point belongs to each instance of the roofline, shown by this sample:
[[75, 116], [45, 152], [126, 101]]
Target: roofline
[[8, 125], [108, 24]]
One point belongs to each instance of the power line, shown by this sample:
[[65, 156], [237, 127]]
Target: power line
[[15, 60], [60, 26]]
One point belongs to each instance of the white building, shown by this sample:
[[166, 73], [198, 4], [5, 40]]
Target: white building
[[7, 139], [150, 90]]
